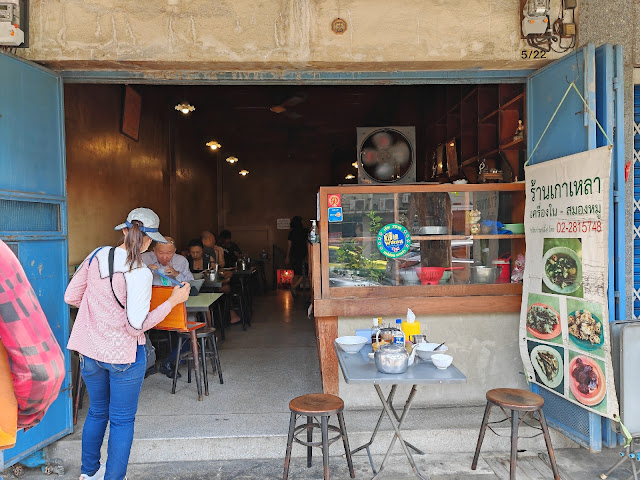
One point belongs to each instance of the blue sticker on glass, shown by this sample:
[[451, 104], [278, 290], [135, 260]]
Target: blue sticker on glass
[[335, 214], [394, 240]]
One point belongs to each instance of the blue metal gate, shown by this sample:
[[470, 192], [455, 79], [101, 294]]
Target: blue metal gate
[[33, 214], [597, 74], [636, 201]]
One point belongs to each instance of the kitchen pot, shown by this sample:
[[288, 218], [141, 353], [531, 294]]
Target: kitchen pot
[[391, 358], [480, 274]]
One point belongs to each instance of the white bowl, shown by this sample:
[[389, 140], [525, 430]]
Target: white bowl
[[441, 361], [351, 344], [409, 276], [426, 350]]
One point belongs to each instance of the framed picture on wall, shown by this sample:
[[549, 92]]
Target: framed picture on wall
[[131, 108]]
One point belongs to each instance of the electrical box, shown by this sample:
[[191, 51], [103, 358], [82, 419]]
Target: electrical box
[[12, 22], [535, 19], [568, 29]]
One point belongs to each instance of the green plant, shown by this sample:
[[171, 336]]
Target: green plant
[[374, 222], [351, 254]]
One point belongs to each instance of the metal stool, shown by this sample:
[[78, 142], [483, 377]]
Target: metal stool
[[516, 401], [204, 335], [207, 335], [323, 406], [238, 298]]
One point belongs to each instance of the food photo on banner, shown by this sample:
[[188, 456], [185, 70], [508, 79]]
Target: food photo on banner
[[564, 320]]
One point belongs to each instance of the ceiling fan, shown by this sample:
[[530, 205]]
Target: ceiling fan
[[292, 101]]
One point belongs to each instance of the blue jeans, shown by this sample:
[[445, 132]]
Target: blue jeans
[[113, 390]]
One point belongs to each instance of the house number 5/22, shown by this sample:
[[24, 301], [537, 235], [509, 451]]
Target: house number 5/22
[[532, 54]]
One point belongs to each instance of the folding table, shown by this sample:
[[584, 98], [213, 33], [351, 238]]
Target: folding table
[[359, 368]]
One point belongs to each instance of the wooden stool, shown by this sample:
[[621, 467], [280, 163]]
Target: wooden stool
[[323, 406], [516, 401]]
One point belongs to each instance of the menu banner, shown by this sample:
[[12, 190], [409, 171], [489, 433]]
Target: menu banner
[[564, 319]]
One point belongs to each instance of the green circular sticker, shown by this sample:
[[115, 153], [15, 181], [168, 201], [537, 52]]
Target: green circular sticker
[[394, 240]]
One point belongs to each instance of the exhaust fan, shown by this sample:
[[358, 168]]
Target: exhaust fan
[[386, 155]]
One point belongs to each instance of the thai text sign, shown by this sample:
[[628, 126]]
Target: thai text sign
[[564, 319]]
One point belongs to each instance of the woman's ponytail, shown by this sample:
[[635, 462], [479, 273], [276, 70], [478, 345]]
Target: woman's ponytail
[[133, 244]]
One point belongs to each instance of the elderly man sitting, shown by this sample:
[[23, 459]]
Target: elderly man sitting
[[164, 259]]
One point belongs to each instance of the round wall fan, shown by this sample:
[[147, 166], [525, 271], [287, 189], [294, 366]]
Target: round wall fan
[[386, 155]]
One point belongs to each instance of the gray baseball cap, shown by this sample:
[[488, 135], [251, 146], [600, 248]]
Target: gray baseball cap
[[150, 223]]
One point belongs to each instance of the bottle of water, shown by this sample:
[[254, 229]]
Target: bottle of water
[[398, 337]]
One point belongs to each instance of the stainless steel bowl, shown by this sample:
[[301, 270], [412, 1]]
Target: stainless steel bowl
[[481, 274]]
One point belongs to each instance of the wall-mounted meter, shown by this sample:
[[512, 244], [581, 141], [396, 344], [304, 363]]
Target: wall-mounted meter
[[11, 34], [535, 19]]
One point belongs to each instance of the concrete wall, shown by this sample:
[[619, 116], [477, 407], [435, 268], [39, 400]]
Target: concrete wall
[[108, 174], [226, 35], [484, 348]]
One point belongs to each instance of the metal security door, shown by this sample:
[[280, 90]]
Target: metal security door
[[636, 201], [33, 214], [596, 74]]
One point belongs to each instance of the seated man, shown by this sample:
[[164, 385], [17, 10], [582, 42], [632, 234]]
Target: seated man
[[231, 251], [164, 259], [211, 249]]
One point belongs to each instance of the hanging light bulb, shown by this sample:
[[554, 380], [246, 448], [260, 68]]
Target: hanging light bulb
[[349, 177], [185, 108], [354, 164], [232, 160], [244, 173], [213, 145]]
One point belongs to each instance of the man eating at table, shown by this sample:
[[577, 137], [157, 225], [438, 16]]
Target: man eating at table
[[164, 259]]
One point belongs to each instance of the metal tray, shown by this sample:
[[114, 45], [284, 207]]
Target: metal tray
[[432, 230]]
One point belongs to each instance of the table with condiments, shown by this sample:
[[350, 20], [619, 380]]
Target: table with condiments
[[359, 368]]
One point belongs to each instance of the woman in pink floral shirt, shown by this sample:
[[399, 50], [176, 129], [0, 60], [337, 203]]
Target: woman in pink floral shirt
[[112, 289]]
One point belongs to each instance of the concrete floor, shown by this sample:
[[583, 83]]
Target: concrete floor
[[239, 430], [574, 464], [263, 368]]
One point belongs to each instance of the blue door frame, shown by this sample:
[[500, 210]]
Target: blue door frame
[[598, 76], [33, 215]]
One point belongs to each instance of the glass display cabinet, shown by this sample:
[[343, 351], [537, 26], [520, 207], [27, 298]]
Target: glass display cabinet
[[420, 240]]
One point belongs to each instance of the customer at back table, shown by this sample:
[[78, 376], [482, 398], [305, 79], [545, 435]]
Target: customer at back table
[[211, 248], [111, 342], [231, 251], [164, 259]]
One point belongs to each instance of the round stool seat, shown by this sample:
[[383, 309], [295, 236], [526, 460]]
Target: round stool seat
[[515, 399], [200, 333], [316, 404]]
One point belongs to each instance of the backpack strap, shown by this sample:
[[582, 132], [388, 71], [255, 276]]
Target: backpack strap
[[94, 254], [112, 252]]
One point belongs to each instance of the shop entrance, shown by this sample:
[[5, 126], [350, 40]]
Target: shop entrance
[[308, 144]]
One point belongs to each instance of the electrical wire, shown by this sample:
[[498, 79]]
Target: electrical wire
[[546, 41]]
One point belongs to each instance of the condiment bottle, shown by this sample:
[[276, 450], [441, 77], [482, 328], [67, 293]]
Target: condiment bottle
[[398, 337], [374, 330], [313, 234]]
